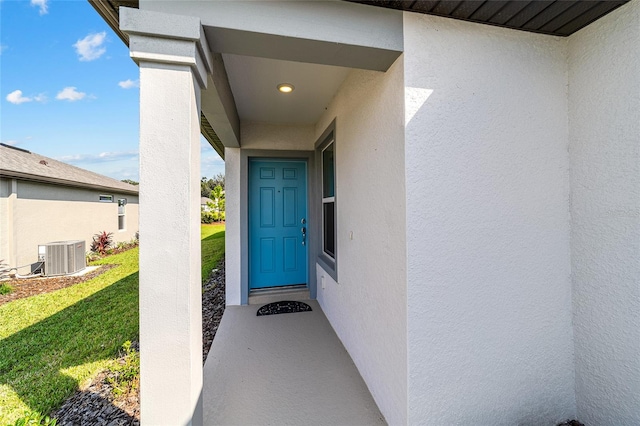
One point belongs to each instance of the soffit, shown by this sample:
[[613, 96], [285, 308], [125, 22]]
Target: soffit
[[559, 18]]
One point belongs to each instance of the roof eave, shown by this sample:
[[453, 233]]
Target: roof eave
[[11, 174], [110, 14]]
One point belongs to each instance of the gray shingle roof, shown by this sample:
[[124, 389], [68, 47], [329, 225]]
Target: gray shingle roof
[[19, 163]]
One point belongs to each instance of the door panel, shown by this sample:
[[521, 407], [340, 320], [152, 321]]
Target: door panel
[[277, 206]]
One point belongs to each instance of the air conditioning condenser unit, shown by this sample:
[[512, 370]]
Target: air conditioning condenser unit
[[63, 257]]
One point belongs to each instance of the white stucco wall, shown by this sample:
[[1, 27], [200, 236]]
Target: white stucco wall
[[233, 223], [277, 136], [367, 307], [7, 203], [487, 187], [604, 119], [42, 213]]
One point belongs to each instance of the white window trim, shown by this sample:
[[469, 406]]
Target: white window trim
[[328, 263], [123, 215], [325, 200], [107, 198]]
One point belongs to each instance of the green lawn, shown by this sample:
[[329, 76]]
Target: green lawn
[[212, 237], [52, 343]]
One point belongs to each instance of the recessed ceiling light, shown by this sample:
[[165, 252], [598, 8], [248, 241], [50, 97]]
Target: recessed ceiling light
[[285, 87]]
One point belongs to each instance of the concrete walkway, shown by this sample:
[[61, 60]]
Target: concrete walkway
[[287, 369]]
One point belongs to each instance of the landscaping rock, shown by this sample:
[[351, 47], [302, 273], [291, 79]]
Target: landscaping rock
[[96, 405], [213, 303]]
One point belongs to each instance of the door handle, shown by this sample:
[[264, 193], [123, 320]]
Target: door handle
[[304, 235]]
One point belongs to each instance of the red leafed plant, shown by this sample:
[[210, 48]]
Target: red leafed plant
[[102, 242]]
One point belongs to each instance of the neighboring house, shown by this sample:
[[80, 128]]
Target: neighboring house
[[468, 194], [204, 204], [43, 200]]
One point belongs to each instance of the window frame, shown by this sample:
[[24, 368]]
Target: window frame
[[328, 200], [122, 202], [326, 261], [104, 198]]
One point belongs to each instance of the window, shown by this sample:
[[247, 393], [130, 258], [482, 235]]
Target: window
[[328, 201], [121, 213], [106, 198]]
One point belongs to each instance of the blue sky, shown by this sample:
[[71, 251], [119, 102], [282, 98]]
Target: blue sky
[[69, 89]]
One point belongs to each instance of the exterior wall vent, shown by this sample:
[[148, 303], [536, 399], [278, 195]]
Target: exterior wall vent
[[63, 257]]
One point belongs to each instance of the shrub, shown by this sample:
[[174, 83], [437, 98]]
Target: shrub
[[5, 289], [35, 418], [126, 373], [211, 217], [206, 217], [102, 242], [92, 256]]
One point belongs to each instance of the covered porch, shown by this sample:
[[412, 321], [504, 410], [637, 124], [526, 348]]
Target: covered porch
[[285, 369], [217, 69]]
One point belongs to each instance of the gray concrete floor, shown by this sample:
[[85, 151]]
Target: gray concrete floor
[[287, 369]]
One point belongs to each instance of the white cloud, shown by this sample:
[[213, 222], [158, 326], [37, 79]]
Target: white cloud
[[129, 84], [70, 94], [42, 4], [11, 143], [40, 98], [91, 47], [16, 97]]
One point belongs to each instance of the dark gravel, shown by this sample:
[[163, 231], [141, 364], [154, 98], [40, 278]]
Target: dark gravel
[[213, 303], [97, 406]]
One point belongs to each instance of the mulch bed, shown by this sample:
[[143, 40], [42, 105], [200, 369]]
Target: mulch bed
[[95, 405], [27, 287]]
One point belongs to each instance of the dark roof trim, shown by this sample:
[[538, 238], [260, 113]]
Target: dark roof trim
[[552, 17], [108, 9], [211, 136], [10, 174]]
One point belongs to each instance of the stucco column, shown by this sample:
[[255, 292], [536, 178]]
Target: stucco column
[[171, 52]]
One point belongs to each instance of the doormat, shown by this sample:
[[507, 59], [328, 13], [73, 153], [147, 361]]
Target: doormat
[[284, 307]]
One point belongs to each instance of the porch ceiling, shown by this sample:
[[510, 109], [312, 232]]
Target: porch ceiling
[[254, 84]]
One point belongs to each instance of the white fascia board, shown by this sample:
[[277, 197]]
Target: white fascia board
[[181, 27], [327, 32], [166, 38], [219, 106]]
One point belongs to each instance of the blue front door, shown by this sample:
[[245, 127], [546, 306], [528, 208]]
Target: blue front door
[[277, 223]]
